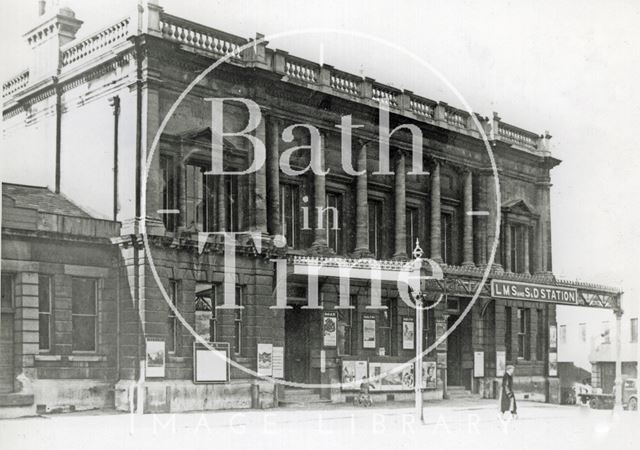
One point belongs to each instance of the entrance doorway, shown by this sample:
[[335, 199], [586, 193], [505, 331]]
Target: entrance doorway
[[454, 353], [6, 335], [296, 345]]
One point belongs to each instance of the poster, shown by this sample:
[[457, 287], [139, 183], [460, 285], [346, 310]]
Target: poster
[[553, 364], [210, 366], [408, 333], [265, 359], [391, 376], [369, 333], [441, 358], [440, 330], [429, 375], [553, 336], [478, 364], [155, 358], [329, 329], [277, 362], [501, 362], [352, 374], [203, 325], [362, 370]]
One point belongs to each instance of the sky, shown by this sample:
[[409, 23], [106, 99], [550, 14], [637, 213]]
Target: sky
[[569, 67]]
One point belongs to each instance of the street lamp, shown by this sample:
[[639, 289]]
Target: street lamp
[[416, 293]]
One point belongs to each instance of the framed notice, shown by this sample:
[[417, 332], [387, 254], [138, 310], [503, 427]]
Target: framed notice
[[265, 359], [478, 364], [440, 330], [501, 362], [277, 362], [553, 336], [408, 333], [441, 359], [329, 329], [429, 375], [352, 374], [553, 364], [210, 366], [368, 332], [155, 358]]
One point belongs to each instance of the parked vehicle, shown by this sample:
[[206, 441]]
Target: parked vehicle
[[599, 400]]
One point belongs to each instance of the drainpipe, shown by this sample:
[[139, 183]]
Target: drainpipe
[[58, 131], [115, 104]]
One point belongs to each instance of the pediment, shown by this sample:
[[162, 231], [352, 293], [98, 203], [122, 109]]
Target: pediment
[[519, 206]]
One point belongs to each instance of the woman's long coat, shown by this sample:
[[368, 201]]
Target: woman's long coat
[[507, 399]]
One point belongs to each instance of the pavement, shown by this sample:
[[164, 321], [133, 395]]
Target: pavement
[[447, 424]]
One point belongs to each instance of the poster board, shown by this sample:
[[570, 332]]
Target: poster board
[[155, 358], [408, 333], [553, 364], [369, 332], [400, 376], [265, 359], [329, 329], [553, 337], [352, 374], [501, 362], [429, 375], [277, 363], [210, 366], [478, 364]]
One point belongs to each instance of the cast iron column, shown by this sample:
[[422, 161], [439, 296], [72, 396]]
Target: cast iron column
[[400, 202], [468, 219], [273, 168], [319, 196], [362, 205], [435, 213]]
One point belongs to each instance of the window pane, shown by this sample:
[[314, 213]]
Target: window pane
[[7, 291], [83, 296], [44, 294], [84, 333], [43, 331]]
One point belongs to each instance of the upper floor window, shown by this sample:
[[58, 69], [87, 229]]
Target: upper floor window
[[633, 324], [45, 301], [333, 221], [412, 224], [518, 234], [169, 192], [375, 228], [84, 314], [232, 203], [200, 197], [524, 333], [606, 332], [289, 207], [563, 334], [446, 241], [582, 330]]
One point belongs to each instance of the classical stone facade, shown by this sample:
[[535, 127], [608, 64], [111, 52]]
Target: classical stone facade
[[89, 111]]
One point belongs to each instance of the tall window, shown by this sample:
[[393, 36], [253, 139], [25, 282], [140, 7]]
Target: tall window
[[563, 334], [45, 301], [540, 335], [606, 332], [169, 192], [84, 308], [206, 313], [345, 327], [375, 228], [582, 329], [446, 242], [289, 207], [333, 221], [385, 326], [633, 331], [232, 203], [172, 320], [6, 301], [518, 234], [412, 229], [237, 323], [524, 323], [508, 330], [200, 196]]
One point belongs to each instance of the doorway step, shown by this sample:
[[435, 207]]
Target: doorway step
[[300, 397], [460, 393]]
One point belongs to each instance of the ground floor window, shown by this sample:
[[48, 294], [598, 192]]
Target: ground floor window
[[44, 311], [524, 324], [385, 321], [84, 317], [507, 333], [172, 320], [237, 323], [345, 328]]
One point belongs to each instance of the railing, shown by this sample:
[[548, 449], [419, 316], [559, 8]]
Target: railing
[[345, 83], [422, 107], [384, 94], [95, 43], [455, 118], [200, 37], [15, 84], [301, 70], [517, 135]]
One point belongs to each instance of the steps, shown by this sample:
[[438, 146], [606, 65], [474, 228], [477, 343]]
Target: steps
[[301, 397], [460, 393]]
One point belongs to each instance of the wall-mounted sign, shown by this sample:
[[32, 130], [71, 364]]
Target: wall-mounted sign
[[329, 329], [501, 362], [441, 328], [408, 333], [429, 374], [553, 336], [277, 362], [553, 364], [441, 359], [155, 358], [210, 366], [265, 359], [368, 332], [352, 374], [478, 364], [535, 292]]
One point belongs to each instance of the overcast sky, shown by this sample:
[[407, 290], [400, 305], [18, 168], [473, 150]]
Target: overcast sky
[[570, 67]]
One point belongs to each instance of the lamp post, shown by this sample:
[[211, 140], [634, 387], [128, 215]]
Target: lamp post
[[618, 383], [418, 299]]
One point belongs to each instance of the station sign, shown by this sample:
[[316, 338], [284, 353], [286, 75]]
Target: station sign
[[516, 290]]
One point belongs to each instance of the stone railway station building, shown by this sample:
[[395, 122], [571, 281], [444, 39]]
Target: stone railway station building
[[86, 325]]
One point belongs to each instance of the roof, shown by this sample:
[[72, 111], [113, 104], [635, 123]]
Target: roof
[[41, 199]]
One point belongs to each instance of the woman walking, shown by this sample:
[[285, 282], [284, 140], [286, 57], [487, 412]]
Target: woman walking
[[507, 399]]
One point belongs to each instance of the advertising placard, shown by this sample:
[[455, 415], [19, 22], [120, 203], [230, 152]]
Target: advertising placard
[[553, 364], [408, 333], [478, 364], [277, 362], [329, 329], [210, 366], [553, 337], [501, 362], [369, 332], [155, 358], [265, 359]]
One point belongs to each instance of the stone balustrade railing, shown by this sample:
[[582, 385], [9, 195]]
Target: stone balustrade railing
[[199, 36], [96, 43], [293, 69], [15, 84]]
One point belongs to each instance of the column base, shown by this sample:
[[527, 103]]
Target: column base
[[400, 257], [362, 253], [468, 264], [320, 249]]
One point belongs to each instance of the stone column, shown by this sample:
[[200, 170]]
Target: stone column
[[222, 205], [494, 210], [435, 213], [544, 228], [362, 205], [273, 177], [260, 206], [507, 247], [468, 220], [400, 202], [526, 250], [319, 198]]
